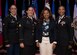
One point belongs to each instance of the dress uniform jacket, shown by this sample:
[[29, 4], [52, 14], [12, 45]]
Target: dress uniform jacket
[[10, 29], [52, 31], [27, 30], [64, 35], [27, 35], [10, 33]]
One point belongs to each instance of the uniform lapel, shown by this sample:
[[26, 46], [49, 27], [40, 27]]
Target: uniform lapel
[[61, 19]]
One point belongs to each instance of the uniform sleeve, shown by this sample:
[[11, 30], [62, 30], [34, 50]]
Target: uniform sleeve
[[37, 31], [70, 29], [55, 35], [21, 31], [5, 30]]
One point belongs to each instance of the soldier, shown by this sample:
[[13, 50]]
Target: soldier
[[64, 33], [10, 31], [27, 33]]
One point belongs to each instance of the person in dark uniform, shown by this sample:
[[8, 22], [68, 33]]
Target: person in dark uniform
[[10, 31], [27, 33], [46, 33], [64, 33]]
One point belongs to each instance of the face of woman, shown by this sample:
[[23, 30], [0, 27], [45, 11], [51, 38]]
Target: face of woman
[[30, 11], [46, 14], [61, 11], [13, 10]]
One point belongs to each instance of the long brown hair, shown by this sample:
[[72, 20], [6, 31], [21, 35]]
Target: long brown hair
[[42, 16]]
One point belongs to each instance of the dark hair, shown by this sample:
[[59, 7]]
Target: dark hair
[[50, 14], [13, 5], [29, 7], [61, 6], [42, 16]]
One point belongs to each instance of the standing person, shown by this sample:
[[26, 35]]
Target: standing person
[[46, 33], [27, 33], [64, 33], [10, 31]]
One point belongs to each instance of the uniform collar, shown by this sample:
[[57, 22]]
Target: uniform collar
[[61, 17], [13, 15], [30, 17]]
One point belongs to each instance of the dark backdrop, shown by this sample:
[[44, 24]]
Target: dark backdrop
[[40, 5]]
